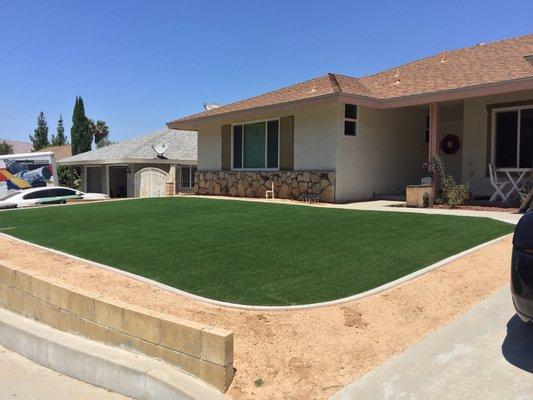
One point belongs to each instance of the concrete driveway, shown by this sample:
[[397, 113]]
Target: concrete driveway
[[487, 353]]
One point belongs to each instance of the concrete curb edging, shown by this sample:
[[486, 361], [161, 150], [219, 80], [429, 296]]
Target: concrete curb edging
[[192, 296], [114, 369]]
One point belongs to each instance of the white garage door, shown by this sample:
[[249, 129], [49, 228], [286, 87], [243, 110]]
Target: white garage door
[[150, 182]]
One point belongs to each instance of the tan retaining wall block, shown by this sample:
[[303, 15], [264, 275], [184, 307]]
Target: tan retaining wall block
[[22, 281], [81, 305], [108, 314], [15, 299], [217, 346], [39, 288], [187, 363], [219, 377], [68, 322], [141, 325], [58, 296], [183, 336], [7, 275]]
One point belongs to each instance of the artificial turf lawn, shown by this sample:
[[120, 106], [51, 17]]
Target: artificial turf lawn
[[252, 253]]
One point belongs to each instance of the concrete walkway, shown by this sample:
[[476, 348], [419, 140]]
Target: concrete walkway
[[384, 205], [22, 379], [485, 354], [387, 205]]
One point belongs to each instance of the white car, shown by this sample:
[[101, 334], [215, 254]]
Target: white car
[[46, 195]]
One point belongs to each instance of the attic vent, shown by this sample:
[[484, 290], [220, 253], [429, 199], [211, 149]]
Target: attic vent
[[443, 57], [397, 76]]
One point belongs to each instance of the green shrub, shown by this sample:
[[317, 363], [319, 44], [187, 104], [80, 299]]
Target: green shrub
[[454, 193]]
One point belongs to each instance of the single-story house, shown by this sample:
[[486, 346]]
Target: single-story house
[[166, 157], [346, 138]]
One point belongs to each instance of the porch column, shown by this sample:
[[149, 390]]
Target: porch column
[[433, 149], [171, 181], [433, 129], [83, 178], [106, 180]]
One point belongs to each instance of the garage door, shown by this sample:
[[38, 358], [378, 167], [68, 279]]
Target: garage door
[[150, 182], [94, 179]]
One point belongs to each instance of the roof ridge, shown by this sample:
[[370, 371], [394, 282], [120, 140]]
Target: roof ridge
[[149, 140], [447, 51]]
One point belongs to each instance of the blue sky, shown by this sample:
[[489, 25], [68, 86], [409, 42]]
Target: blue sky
[[139, 64]]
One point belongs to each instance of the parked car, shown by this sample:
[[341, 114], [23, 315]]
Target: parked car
[[46, 195], [522, 268]]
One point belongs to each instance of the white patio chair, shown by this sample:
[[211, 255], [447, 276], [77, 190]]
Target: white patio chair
[[497, 184], [270, 192]]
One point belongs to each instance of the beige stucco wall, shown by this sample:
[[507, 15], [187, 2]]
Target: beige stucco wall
[[387, 153], [314, 138], [475, 139], [451, 123]]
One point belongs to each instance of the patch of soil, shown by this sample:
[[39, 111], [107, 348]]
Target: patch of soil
[[471, 207], [301, 354], [478, 208]]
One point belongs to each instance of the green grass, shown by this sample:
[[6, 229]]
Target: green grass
[[252, 253]]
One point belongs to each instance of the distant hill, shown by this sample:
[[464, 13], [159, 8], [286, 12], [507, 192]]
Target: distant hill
[[19, 147]]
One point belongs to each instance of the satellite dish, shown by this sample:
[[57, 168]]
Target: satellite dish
[[160, 149]]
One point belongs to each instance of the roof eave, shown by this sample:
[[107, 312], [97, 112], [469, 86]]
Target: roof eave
[[126, 161], [193, 123], [488, 89], [520, 84]]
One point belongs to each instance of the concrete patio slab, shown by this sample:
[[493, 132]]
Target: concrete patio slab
[[487, 353]]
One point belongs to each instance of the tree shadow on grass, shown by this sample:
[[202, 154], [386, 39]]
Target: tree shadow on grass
[[517, 348]]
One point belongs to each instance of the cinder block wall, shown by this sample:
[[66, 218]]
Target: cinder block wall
[[203, 351]]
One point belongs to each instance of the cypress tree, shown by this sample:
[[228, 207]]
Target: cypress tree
[[80, 133], [60, 139], [40, 134]]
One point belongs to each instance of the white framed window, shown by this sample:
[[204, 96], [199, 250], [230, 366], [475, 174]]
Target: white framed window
[[512, 139], [255, 145], [187, 176], [350, 120]]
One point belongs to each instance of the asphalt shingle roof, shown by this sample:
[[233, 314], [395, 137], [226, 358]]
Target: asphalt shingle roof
[[182, 146], [482, 64], [60, 152]]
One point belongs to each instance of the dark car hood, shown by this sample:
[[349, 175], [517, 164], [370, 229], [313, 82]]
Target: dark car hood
[[523, 234]]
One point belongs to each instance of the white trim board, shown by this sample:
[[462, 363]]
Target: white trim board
[[192, 296]]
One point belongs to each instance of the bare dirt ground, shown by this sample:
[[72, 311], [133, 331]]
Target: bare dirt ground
[[301, 354], [479, 207]]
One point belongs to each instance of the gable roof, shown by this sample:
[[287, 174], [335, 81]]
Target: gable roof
[[483, 64], [60, 152], [182, 147]]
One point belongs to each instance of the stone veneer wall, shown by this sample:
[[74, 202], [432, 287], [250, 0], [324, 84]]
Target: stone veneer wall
[[203, 351], [287, 184]]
